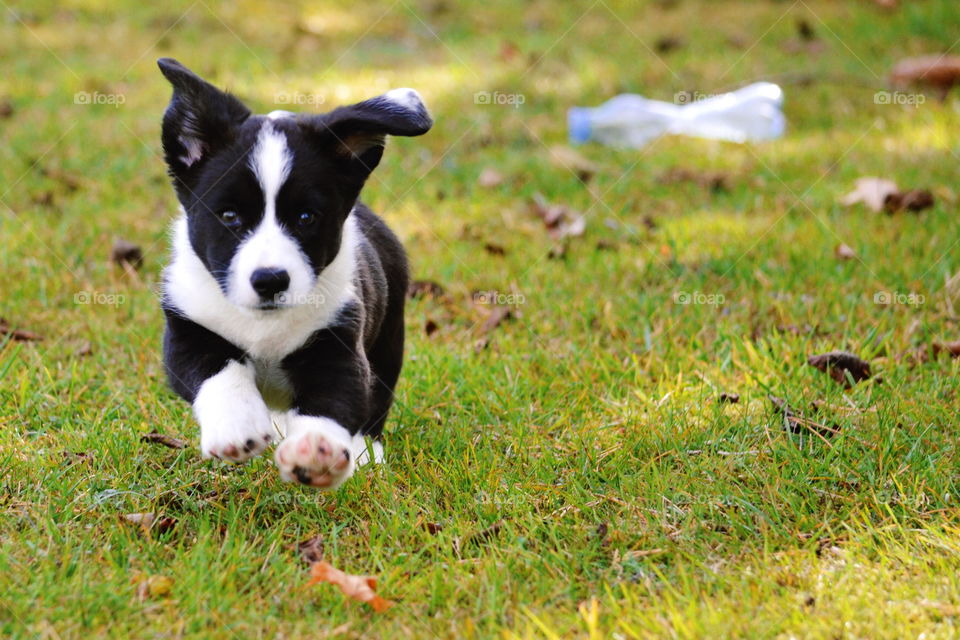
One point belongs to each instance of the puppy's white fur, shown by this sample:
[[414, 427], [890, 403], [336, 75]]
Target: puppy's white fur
[[232, 415]]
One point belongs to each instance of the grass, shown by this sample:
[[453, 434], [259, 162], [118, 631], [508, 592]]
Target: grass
[[582, 476]]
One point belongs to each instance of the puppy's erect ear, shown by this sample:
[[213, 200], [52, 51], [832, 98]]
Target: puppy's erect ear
[[357, 133], [199, 120]]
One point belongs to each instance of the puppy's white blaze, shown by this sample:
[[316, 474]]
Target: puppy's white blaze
[[279, 114], [268, 335], [405, 97], [269, 247]]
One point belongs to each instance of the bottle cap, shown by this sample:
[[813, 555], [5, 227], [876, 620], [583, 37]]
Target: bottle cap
[[578, 120]]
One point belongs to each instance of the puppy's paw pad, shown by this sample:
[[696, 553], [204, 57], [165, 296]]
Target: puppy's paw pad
[[315, 457]]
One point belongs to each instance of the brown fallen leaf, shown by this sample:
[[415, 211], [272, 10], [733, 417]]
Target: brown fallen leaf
[[873, 192], [950, 348], [494, 249], [795, 422], [430, 327], [567, 158], [667, 44], [561, 221], [938, 72], [6, 109], [490, 178], [164, 439], [844, 252], [18, 335], [714, 181], [361, 588], [915, 200], [424, 289], [311, 549], [151, 586], [729, 398], [480, 537], [126, 253], [842, 366], [149, 521]]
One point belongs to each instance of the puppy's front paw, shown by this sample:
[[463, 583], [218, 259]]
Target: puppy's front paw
[[235, 424], [317, 452], [236, 436]]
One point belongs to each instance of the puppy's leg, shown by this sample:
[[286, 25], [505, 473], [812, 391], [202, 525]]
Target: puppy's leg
[[215, 377], [331, 403], [234, 421]]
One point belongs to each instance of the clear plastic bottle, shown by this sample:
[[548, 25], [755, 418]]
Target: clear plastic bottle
[[752, 113]]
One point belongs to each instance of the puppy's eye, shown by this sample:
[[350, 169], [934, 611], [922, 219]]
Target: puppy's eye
[[306, 219], [230, 218]]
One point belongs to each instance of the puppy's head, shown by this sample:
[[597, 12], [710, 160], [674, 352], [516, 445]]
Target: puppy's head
[[266, 197]]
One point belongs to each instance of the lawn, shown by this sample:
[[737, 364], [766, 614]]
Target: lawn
[[571, 472]]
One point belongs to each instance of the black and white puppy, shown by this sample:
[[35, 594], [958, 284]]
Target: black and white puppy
[[284, 295]]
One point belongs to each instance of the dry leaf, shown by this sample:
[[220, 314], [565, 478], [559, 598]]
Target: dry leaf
[[840, 363], [715, 181], [914, 200], [494, 249], [490, 178], [566, 158], [666, 44], [18, 335], [126, 253], [844, 252], [873, 192], [164, 439], [150, 522], [362, 588], [311, 549], [152, 586], [940, 72], [424, 289], [950, 348], [560, 220], [729, 398], [430, 327], [145, 520], [795, 422]]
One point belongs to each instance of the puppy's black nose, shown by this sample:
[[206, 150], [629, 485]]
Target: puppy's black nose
[[269, 282]]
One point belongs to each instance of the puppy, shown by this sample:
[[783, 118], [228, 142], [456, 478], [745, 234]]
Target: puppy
[[284, 295]]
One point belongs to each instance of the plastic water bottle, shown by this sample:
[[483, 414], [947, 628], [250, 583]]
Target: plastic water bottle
[[752, 113]]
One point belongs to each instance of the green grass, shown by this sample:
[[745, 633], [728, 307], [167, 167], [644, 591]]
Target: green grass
[[630, 502]]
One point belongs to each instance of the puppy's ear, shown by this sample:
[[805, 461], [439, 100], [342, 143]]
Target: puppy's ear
[[357, 133], [199, 120]]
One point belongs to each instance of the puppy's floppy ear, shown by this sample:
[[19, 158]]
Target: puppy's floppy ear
[[357, 133], [199, 120]]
